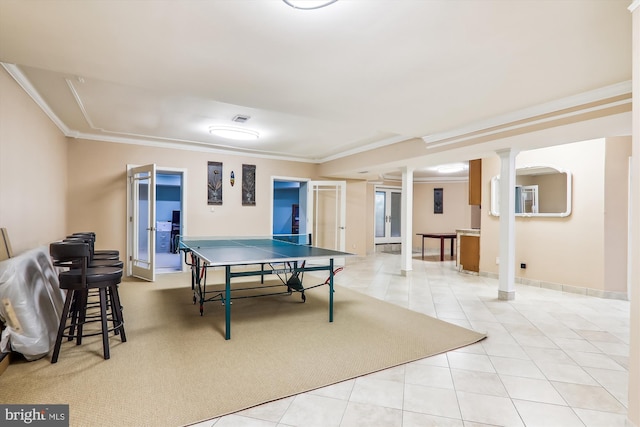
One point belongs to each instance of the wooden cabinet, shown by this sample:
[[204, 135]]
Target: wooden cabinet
[[475, 182], [469, 253]]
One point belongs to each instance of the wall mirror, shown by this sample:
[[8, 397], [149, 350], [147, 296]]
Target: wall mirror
[[540, 191]]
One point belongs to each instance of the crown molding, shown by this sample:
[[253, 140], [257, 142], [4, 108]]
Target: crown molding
[[599, 99], [573, 106], [187, 145], [382, 143], [633, 6], [15, 72], [26, 85], [427, 180], [190, 145]]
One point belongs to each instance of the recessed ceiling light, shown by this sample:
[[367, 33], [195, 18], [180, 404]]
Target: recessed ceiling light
[[451, 168], [230, 132]]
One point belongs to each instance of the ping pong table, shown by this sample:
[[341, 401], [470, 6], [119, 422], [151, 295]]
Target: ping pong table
[[282, 255]]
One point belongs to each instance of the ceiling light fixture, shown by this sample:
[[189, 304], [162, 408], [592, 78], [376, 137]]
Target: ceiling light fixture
[[451, 168], [308, 4], [229, 132]]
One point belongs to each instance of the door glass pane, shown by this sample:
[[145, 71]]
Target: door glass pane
[[141, 255], [530, 199], [396, 209], [380, 213]]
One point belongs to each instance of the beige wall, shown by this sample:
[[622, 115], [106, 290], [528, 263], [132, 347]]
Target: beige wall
[[51, 185], [456, 212], [616, 212], [568, 251], [98, 188], [33, 170], [356, 226]]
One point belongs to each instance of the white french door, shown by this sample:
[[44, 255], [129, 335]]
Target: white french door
[[388, 215], [142, 221], [326, 201]]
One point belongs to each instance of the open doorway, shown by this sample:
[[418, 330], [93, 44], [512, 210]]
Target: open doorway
[[315, 210], [169, 196], [289, 206]]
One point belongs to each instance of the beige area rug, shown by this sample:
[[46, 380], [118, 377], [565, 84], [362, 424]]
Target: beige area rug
[[176, 367]]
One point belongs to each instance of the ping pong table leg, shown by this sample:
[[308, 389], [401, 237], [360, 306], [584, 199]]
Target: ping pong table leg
[[202, 288], [331, 290], [227, 303]]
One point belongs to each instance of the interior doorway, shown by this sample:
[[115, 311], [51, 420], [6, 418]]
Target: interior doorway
[[289, 215], [314, 210], [169, 214], [388, 215]]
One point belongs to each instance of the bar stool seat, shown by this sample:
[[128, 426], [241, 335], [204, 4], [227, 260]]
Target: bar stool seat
[[95, 260], [82, 282], [97, 253]]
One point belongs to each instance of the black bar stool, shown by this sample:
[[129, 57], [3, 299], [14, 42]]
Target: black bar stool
[[98, 253], [96, 261], [78, 280]]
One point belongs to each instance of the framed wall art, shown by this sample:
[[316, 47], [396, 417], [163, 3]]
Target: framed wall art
[[437, 201], [248, 185], [214, 183]]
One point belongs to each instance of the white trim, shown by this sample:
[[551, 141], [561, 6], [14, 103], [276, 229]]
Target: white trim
[[387, 239], [630, 223], [485, 127], [429, 180], [146, 140], [180, 145], [26, 85], [432, 141], [633, 6], [388, 141]]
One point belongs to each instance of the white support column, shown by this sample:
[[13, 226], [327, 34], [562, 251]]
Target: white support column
[[633, 412], [506, 288], [406, 250]]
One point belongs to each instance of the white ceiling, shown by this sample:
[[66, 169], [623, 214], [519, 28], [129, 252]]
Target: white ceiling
[[317, 84]]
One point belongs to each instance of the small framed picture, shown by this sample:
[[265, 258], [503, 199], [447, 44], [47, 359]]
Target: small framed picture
[[437, 201], [248, 185], [214, 183]]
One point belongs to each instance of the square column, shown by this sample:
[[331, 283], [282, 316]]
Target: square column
[[506, 288], [406, 227]]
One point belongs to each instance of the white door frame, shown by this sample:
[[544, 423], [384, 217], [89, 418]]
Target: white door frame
[[141, 268], [340, 214], [387, 238], [304, 224], [130, 213]]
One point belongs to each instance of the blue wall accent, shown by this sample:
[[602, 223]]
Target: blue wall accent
[[283, 198], [167, 201]]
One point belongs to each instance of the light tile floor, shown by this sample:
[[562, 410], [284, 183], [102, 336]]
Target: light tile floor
[[550, 359]]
